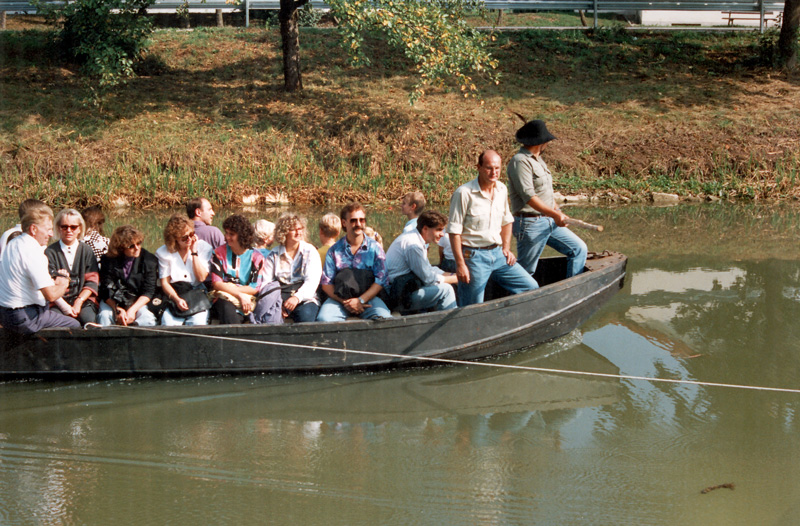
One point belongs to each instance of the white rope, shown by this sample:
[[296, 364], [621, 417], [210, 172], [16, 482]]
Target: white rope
[[483, 364]]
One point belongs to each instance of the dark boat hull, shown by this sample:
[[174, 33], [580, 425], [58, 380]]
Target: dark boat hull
[[479, 331]]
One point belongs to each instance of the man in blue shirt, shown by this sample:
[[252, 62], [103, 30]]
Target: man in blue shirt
[[408, 254], [359, 254]]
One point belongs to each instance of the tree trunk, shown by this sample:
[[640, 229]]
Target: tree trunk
[[2, 19], [220, 21], [584, 22], [787, 42], [290, 37]]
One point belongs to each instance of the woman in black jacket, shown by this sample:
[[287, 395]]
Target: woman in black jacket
[[74, 256], [128, 277]]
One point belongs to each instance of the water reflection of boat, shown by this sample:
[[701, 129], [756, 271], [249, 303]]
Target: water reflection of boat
[[475, 332], [395, 396]]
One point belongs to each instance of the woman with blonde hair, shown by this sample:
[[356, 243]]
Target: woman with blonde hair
[[128, 276], [182, 267], [265, 234], [70, 254], [296, 265]]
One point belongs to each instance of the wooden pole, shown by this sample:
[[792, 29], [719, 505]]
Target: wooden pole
[[583, 224]]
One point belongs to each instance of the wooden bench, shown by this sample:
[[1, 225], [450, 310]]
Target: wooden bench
[[770, 16]]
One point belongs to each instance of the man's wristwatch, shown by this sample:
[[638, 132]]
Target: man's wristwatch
[[361, 300]]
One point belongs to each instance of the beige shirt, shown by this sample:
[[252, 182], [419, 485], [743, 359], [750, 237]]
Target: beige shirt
[[477, 217], [528, 177]]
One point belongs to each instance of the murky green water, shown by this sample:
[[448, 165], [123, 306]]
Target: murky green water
[[712, 294]]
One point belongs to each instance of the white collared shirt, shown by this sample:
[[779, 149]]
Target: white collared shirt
[[171, 264], [23, 273], [477, 217], [306, 266]]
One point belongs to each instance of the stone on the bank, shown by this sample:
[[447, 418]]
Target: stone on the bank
[[662, 197], [121, 202], [276, 199], [580, 198], [250, 199]]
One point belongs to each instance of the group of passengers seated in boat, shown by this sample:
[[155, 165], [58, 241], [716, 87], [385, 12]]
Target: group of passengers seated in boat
[[201, 273]]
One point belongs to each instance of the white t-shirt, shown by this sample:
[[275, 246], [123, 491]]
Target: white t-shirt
[[170, 263], [23, 272], [6, 234], [444, 242]]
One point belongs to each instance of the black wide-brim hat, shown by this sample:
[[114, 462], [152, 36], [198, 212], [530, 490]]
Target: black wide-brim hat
[[534, 133]]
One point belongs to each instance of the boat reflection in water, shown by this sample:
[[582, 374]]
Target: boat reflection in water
[[76, 450], [440, 391]]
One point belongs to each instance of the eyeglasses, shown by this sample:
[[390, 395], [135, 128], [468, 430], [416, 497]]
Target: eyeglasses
[[133, 246], [69, 227], [187, 237], [358, 220]]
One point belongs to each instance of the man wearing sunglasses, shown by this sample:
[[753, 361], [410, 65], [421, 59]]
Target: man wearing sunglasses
[[25, 283], [355, 264]]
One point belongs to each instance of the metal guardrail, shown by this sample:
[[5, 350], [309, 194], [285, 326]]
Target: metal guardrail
[[748, 6]]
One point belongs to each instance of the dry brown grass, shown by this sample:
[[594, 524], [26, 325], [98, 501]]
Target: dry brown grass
[[692, 115]]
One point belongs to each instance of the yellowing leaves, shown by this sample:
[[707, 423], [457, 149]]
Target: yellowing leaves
[[434, 37]]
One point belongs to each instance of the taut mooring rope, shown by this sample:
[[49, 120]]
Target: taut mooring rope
[[481, 364]]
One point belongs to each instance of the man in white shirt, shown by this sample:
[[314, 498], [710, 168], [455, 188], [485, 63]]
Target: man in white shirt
[[25, 282], [480, 235], [407, 258]]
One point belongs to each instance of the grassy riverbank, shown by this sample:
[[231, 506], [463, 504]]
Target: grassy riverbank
[[688, 113]]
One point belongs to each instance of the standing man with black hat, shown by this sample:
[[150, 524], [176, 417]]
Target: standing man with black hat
[[537, 219]]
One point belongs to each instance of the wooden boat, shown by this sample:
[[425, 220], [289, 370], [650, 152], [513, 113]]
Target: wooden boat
[[479, 331]]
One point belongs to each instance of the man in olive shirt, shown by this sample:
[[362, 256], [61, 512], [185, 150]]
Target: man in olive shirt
[[537, 219], [480, 234]]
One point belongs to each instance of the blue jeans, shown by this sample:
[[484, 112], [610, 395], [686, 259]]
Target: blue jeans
[[491, 264], [305, 312], [106, 317], [332, 310], [170, 320], [533, 233], [439, 296]]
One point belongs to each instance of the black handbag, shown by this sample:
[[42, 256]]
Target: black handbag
[[287, 289], [402, 288], [196, 299]]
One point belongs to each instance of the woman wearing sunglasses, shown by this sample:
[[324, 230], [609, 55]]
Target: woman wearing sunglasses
[[71, 254], [182, 267], [128, 276]]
